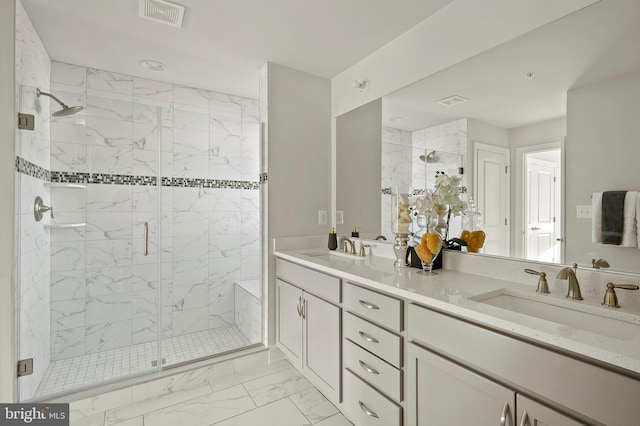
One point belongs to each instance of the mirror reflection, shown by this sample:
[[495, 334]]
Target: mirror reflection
[[536, 126]]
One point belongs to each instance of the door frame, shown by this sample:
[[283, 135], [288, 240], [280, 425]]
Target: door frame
[[520, 190], [507, 213]]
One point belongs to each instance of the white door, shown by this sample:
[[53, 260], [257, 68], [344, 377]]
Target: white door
[[541, 211], [491, 189], [322, 350], [289, 321], [446, 394]]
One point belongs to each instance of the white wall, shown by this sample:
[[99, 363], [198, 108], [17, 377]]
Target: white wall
[[489, 134], [7, 170], [299, 153], [358, 194], [602, 152]]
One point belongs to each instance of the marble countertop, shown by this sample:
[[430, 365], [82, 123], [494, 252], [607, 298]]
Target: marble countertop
[[454, 292]]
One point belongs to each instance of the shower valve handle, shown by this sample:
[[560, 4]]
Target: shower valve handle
[[39, 209]]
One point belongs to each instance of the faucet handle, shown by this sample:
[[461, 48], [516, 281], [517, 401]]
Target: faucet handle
[[543, 286], [363, 251], [610, 297]]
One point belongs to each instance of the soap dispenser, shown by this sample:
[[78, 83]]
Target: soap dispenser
[[355, 232], [333, 239]]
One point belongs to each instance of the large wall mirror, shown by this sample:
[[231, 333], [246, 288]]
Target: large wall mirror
[[536, 126]]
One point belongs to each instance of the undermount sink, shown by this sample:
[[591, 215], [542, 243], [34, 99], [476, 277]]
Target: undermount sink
[[571, 314], [335, 255]]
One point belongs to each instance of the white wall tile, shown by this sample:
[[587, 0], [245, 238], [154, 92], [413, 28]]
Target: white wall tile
[[67, 314], [191, 96], [108, 308], [102, 337], [222, 104], [190, 321], [110, 82], [108, 281]]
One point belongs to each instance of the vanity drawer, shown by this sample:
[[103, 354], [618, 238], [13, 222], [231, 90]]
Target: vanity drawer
[[366, 406], [381, 342], [373, 370], [322, 285], [377, 307]]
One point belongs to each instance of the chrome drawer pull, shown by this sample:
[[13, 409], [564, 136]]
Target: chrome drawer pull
[[368, 305], [506, 415], [368, 369], [368, 338], [525, 420], [367, 411]]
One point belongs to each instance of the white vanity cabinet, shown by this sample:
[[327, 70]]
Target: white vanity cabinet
[[447, 394], [468, 391], [308, 327], [372, 357]]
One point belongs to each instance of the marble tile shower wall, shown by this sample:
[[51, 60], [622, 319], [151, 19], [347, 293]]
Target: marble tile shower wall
[[103, 289], [402, 166], [33, 67]]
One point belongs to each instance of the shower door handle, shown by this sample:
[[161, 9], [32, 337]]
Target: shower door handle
[[146, 238]]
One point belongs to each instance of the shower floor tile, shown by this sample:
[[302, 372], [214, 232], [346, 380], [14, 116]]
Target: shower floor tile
[[82, 371]]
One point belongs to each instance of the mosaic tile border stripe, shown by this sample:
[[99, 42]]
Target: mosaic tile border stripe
[[387, 191], [30, 169]]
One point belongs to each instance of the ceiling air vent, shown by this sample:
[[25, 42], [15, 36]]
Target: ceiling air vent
[[162, 11], [452, 100]]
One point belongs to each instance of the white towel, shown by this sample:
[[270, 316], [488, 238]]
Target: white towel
[[596, 217], [630, 231]]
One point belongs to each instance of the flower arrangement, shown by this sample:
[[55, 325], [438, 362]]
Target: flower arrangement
[[441, 203], [447, 200]]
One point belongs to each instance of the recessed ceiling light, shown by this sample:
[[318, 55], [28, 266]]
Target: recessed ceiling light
[[530, 75], [394, 119], [152, 65], [452, 100]]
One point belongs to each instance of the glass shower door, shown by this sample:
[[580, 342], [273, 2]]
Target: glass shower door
[[89, 304]]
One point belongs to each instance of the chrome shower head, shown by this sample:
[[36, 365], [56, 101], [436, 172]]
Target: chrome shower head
[[66, 109], [430, 157]]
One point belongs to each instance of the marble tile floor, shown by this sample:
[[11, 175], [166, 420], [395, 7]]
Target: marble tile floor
[[272, 395], [77, 372]]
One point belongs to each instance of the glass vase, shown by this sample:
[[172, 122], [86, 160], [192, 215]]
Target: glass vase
[[429, 247]]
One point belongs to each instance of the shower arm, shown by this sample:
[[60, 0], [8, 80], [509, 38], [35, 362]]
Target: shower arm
[[62, 104]]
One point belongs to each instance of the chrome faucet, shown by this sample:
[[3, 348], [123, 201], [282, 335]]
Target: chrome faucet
[[610, 297], [543, 286], [574, 286], [343, 243], [600, 263]]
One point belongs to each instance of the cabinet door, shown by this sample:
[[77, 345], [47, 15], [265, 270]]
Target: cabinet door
[[531, 413], [289, 321], [322, 350], [442, 393]]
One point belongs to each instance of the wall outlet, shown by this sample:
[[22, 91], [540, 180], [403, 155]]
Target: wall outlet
[[322, 217], [583, 212], [339, 217]]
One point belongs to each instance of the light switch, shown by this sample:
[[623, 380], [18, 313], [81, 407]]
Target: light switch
[[583, 212], [339, 217], [322, 217]]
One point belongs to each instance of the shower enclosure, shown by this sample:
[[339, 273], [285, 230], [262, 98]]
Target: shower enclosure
[[150, 254]]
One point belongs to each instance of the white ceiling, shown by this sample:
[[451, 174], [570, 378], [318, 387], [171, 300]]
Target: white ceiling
[[223, 43], [595, 43]]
